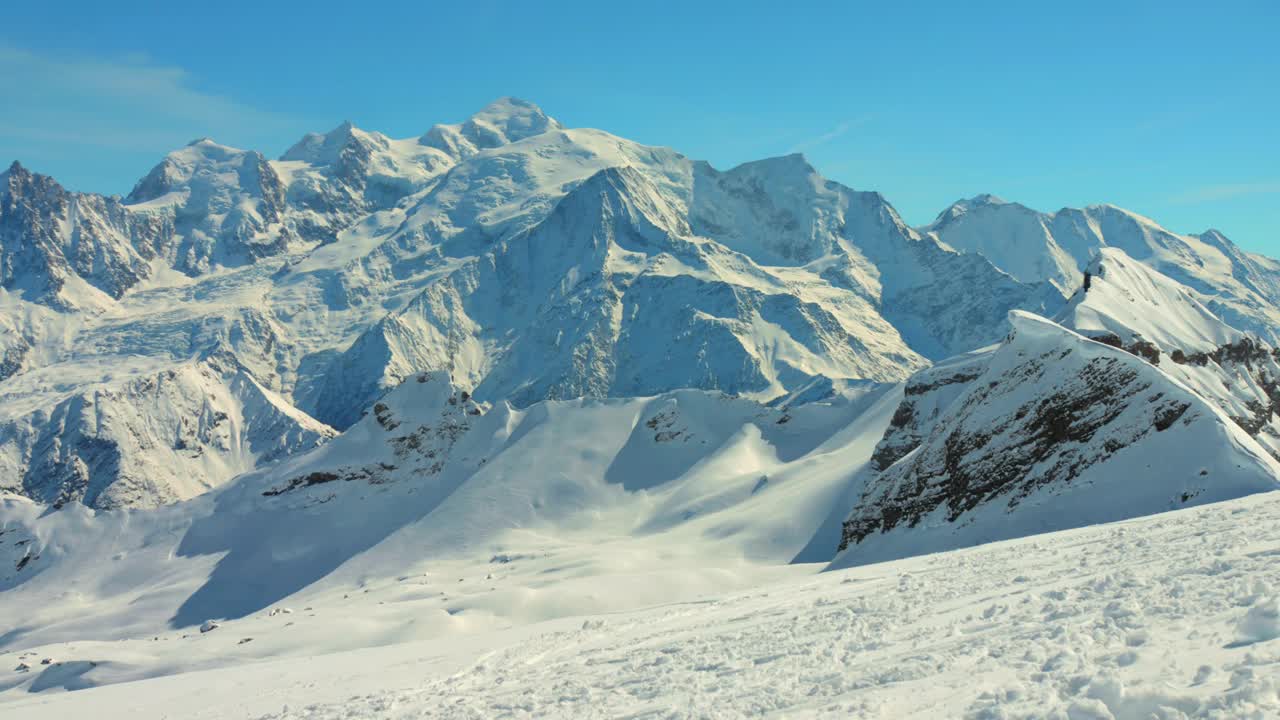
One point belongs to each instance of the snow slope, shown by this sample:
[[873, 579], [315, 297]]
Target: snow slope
[[1129, 305], [1171, 616], [567, 493], [1051, 431], [1240, 288]]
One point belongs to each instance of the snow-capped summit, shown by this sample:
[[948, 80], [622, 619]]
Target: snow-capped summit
[[226, 207], [1240, 288], [1130, 301], [202, 167], [1013, 236], [338, 177], [981, 200], [779, 211], [324, 148], [505, 120]]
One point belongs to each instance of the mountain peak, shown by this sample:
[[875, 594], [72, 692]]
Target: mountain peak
[[508, 105], [960, 208], [987, 199], [204, 149], [515, 114], [784, 167], [323, 148], [980, 200], [178, 168], [505, 120], [16, 174]]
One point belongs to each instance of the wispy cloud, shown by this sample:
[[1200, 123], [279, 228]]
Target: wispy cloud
[[1211, 193], [840, 129], [125, 103]]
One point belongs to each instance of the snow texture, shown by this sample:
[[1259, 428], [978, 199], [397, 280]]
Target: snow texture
[[1132, 620]]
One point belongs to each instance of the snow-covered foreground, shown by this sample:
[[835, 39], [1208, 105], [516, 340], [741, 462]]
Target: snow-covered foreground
[[1167, 616]]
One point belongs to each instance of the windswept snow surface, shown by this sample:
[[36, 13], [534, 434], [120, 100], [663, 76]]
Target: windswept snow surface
[[452, 517], [1163, 617]]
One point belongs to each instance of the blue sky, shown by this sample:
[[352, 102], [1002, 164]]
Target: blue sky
[[1171, 109]]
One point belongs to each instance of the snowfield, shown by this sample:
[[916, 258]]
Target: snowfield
[[1170, 616]]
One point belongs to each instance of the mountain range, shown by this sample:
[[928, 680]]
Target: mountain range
[[255, 378]]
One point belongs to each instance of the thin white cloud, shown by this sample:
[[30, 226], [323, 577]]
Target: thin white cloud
[[119, 103], [1211, 193], [826, 137]]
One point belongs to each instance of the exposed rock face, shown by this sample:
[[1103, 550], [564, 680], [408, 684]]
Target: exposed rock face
[[50, 237], [1249, 373], [1146, 314], [1049, 439], [14, 358], [1056, 430], [417, 449], [926, 395], [153, 439], [984, 445]]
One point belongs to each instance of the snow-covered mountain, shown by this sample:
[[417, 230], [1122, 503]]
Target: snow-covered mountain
[[233, 309], [1241, 288], [70, 250], [1136, 401], [1133, 307], [531, 260], [648, 533], [153, 439], [508, 372], [434, 475]]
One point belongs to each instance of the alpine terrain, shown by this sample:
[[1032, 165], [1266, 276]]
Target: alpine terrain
[[513, 419]]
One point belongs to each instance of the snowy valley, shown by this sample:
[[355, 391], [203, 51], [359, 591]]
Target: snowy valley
[[512, 419]]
